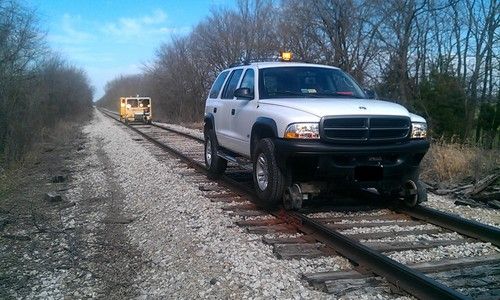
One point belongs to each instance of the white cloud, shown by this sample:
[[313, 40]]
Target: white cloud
[[93, 43], [158, 17], [70, 34], [139, 27]]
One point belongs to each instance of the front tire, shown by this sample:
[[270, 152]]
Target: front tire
[[215, 165], [269, 180]]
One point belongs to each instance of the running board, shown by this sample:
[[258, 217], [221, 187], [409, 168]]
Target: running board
[[240, 161]]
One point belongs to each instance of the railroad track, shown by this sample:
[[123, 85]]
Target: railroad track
[[371, 236]]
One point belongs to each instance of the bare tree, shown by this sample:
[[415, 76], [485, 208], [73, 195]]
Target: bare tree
[[395, 46], [37, 89]]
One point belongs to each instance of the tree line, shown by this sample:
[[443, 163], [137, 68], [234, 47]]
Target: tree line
[[38, 89], [439, 58]]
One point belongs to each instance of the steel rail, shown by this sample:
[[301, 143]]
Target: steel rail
[[411, 281], [185, 134], [470, 228], [188, 160], [455, 223], [155, 124]]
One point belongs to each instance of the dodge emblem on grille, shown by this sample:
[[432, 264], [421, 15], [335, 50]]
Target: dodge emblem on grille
[[362, 107]]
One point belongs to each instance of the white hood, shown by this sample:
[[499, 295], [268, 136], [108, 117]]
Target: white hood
[[334, 106]]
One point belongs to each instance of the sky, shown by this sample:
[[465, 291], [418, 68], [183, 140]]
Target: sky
[[109, 38]]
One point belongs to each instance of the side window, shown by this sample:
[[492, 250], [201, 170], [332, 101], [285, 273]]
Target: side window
[[248, 80], [216, 87], [231, 84]]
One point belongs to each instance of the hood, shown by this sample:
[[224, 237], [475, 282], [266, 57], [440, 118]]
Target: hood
[[339, 106]]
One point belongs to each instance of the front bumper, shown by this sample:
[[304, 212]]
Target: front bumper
[[142, 117], [363, 165]]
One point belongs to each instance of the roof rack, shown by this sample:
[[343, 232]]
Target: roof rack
[[239, 64], [247, 62], [269, 59]]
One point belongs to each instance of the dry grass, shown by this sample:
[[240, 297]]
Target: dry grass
[[455, 163], [62, 133]]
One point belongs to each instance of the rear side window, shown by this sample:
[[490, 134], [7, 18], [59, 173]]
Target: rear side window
[[214, 92], [232, 84]]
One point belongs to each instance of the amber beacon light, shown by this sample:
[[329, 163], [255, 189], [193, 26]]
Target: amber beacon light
[[286, 56]]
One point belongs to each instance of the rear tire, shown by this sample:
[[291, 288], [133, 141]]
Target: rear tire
[[269, 180], [215, 165]]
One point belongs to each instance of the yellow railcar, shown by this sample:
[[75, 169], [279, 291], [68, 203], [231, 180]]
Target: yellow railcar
[[135, 109]]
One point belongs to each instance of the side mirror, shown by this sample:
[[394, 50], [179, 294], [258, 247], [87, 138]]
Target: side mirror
[[243, 93], [370, 94]]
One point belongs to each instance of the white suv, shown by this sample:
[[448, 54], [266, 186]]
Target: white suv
[[310, 130]]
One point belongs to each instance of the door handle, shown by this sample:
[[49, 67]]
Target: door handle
[[215, 110], [232, 111]]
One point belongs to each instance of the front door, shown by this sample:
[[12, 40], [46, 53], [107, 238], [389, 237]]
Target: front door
[[242, 116]]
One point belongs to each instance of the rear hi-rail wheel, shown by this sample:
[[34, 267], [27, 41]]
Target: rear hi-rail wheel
[[413, 193]]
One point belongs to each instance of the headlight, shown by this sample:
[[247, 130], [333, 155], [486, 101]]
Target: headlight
[[129, 106], [418, 130], [302, 131]]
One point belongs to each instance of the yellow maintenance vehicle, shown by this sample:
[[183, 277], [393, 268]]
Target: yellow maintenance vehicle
[[135, 109]]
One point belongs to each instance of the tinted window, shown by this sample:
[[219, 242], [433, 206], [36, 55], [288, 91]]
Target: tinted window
[[231, 84], [311, 82], [248, 80], [214, 92]]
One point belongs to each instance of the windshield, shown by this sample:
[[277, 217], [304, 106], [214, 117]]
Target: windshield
[[310, 82], [133, 102]]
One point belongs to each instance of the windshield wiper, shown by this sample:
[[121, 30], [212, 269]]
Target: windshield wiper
[[316, 95], [338, 94], [292, 93]]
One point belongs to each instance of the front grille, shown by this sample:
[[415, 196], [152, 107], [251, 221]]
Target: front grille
[[365, 129]]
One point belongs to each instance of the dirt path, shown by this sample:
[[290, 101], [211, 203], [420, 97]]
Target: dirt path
[[72, 248]]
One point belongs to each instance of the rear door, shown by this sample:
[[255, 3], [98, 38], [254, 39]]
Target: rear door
[[214, 103]]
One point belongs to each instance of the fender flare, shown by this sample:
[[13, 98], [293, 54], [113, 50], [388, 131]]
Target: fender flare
[[265, 123], [209, 121]]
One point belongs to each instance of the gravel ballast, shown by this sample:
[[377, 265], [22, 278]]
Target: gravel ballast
[[135, 222], [191, 247], [483, 215]]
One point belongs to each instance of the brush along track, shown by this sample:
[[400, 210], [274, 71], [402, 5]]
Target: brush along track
[[324, 235]]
